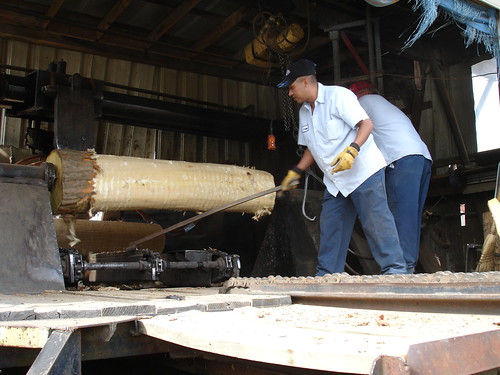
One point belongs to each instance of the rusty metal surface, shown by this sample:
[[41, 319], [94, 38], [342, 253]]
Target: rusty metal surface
[[29, 260], [475, 282], [468, 354], [415, 303], [344, 278], [387, 365], [439, 292]]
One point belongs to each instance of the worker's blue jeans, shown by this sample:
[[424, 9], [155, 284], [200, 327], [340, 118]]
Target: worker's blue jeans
[[407, 182], [338, 215]]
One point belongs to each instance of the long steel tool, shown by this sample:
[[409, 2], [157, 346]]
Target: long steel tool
[[133, 245]]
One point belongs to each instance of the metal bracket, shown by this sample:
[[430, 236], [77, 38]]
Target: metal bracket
[[61, 355], [469, 354], [74, 117], [387, 365]]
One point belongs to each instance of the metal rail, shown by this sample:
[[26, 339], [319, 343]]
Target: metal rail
[[442, 292]]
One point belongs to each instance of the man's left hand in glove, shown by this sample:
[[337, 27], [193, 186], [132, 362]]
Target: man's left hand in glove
[[345, 159]]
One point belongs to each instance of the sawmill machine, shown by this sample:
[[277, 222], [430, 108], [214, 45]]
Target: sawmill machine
[[74, 104], [75, 180]]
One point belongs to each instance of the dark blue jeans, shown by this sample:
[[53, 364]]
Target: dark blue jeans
[[369, 202], [407, 182]]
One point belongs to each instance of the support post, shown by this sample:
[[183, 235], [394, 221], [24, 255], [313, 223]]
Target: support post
[[450, 113], [334, 37]]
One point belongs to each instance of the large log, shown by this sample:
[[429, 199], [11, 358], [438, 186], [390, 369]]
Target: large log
[[89, 181], [105, 236]]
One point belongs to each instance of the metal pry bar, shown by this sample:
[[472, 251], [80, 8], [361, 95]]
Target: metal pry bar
[[183, 223]]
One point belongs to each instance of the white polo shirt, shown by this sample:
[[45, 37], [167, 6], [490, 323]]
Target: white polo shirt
[[329, 130], [393, 131]]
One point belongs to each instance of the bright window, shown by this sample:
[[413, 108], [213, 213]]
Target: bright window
[[486, 105]]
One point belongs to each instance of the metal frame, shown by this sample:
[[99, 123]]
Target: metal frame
[[75, 104], [66, 348], [374, 50], [61, 355]]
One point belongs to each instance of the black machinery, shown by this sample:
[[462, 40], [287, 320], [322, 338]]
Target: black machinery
[[74, 104], [32, 262], [206, 267], [31, 259]]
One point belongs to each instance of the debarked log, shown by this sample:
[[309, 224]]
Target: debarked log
[[87, 181]]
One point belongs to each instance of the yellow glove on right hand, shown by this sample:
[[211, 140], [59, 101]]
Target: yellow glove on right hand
[[290, 178]]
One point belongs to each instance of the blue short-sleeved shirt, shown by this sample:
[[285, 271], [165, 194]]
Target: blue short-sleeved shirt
[[329, 130], [393, 131]]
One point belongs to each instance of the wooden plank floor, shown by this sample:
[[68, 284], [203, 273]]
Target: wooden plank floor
[[115, 302], [27, 320], [313, 337], [261, 328]]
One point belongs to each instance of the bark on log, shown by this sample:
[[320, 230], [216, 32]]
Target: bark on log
[[89, 181], [75, 172]]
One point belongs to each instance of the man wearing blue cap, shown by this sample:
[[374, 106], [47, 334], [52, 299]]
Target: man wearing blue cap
[[337, 133]]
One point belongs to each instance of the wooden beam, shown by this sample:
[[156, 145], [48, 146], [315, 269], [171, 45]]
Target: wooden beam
[[213, 65], [75, 31], [175, 16], [86, 33], [421, 71], [230, 22], [450, 113], [9, 17], [22, 25], [112, 15], [53, 9], [202, 13]]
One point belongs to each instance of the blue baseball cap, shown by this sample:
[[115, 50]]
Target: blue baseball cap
[[299, 68]]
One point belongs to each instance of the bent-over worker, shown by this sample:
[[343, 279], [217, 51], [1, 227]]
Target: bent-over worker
[[336, 131]]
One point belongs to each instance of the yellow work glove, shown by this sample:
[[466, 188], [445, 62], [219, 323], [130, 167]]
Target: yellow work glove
[[292, 176], [345, 159]]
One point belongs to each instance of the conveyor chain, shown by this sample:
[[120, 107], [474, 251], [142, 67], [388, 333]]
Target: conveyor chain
[[444, 277]]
